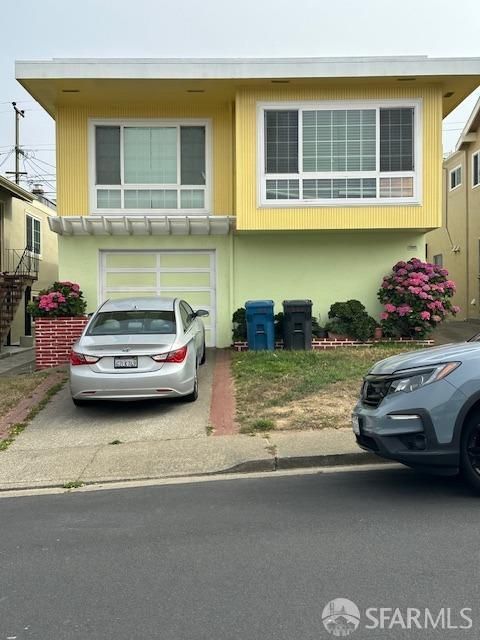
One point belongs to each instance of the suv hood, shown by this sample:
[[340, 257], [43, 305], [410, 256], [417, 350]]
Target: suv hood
[[425, 357]]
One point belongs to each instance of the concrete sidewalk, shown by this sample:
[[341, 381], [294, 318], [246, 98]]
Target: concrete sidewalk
[[57, 464]]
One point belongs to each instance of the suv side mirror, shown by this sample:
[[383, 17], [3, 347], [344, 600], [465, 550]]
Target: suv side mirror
[[201, 313]]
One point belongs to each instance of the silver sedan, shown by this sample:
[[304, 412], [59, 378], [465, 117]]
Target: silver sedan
[[139, 348]]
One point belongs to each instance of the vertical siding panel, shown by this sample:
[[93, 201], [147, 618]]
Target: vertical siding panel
[[72, 148], [423, 216]]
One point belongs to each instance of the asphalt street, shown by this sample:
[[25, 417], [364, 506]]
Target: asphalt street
[[251, 558]]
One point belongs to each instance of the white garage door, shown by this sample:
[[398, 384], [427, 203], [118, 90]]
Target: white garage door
[[178, 274]]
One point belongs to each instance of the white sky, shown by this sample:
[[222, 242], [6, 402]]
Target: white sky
[[34, 29]]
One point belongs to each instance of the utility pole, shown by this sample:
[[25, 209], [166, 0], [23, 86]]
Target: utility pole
[[18, 152]]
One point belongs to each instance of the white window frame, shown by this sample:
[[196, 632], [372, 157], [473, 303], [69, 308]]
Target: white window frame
[[477, 153], [127, 122], [450, 173], [416, 174], [34, 219]]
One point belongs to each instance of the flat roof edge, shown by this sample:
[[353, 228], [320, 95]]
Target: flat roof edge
[[244, 68]]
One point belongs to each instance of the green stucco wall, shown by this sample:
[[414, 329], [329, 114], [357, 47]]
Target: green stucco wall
[[325, 267]]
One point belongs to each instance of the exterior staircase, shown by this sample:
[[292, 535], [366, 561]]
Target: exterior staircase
[[19, 271]]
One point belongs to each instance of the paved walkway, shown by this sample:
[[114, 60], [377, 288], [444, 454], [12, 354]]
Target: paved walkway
[[14, 360], [456, 331]]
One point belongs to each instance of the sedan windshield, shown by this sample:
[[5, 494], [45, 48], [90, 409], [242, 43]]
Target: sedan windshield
[[132, 323]]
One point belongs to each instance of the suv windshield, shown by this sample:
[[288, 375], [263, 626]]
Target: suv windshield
[[132, 322]]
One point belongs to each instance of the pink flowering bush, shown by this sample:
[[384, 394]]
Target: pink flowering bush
[[416, 297], [62, 299]]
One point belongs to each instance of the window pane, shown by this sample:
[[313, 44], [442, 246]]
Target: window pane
[[339, 140], [192, 146], [281, 141], [476, 169], [109, 199], [282, 189], [396, 139], [396, 187], [339, 188], [150, 199], [150, 155], [107, 155], [36, 236], [438, 260], [29, 233], [192, 199]]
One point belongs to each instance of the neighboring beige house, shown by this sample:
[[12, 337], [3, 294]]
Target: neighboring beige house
[[456, 244], [28, 257]]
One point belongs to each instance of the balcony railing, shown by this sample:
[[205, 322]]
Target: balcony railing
[[20, 262]]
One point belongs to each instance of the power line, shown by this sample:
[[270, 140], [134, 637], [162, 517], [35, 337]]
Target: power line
[[5, 159]]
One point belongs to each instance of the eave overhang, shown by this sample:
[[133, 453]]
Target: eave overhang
[[138, 225], [58, 82]]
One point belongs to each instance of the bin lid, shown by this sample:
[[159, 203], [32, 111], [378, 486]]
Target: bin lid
[[253, 304], [297, 303]]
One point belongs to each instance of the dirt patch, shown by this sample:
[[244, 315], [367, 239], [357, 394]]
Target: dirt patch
[[15, 388], [329, 408]]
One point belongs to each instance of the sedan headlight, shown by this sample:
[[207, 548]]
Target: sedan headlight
[[413, 379]]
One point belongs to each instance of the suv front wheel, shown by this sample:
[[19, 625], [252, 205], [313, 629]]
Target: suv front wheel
[[470, 452]]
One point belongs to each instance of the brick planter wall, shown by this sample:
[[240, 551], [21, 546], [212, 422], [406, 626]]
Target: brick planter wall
[[54, 338], [320, 344]]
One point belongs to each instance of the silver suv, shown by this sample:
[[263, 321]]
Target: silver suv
[[423, 409]]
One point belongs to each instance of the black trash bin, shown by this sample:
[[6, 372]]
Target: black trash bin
[[297, 324]]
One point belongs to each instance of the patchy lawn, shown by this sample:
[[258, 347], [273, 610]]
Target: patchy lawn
[[301, 389], [15, 388]]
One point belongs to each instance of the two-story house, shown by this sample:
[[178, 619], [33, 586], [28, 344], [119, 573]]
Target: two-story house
[[28, 257], [456, 244], [225, 180]]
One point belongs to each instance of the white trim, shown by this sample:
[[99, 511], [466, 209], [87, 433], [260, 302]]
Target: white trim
[[158, 269], [245, 68], [145, 122], [450, 188], [468, 126], [477, 153], [39, 220], [262, 177], [141, 225]]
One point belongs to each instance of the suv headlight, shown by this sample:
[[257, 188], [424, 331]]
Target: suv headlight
[[413, 379]]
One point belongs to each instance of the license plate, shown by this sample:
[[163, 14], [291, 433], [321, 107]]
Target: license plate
[[125, 362], [356, 425]]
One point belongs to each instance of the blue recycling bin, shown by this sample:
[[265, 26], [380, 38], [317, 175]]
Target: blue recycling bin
[[260, 325]]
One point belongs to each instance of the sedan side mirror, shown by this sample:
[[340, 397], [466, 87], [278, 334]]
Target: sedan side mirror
[[201, 313]]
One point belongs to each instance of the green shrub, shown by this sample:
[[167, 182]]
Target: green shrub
[[239, 320], [350, 319]]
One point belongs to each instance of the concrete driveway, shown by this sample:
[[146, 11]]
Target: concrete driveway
[[65, 444]]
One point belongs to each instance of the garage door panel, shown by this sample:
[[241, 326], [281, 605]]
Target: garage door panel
[[116, 295], [130, 279], [191, 279], [135, 260], [185, 261], [174, 274]]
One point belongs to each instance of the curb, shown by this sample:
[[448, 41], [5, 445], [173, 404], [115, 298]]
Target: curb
[[305, 462], [250, 466]]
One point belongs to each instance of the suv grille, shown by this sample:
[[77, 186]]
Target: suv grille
[[374, 389]]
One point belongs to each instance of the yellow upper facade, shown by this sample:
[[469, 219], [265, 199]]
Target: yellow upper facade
[[287, 145]]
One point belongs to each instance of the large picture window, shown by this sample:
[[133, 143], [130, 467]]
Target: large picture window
[[145, 167], [321, 154]]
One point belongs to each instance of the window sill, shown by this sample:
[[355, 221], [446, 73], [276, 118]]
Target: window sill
[[151, 212], [344, 203]]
